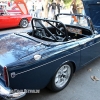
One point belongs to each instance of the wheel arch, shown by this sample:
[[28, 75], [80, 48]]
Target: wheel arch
[[22, 19], [68, 61], [73, 64]]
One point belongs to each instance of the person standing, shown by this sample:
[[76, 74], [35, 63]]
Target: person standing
[[58, 6], [80, 8], [53, 7], [38, 8], [30, 6], [73, 7], [9, 3], [73, 10]]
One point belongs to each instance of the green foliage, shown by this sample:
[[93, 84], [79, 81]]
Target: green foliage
[[67, 1]]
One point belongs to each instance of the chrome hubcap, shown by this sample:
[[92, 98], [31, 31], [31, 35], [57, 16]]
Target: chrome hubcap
[[24, 23], [62, 76]]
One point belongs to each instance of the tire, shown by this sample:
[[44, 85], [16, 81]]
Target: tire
[[24, 23], [62, 77]]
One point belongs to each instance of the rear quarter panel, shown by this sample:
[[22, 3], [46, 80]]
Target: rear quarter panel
[[18, 17], [28, 17], [31, 74]]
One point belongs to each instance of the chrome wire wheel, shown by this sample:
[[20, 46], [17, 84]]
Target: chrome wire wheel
[[62, 76]]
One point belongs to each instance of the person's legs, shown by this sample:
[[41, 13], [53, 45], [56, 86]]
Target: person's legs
[[30, 11], [35, 13], [39, 13], [58, 11], [52, 13]]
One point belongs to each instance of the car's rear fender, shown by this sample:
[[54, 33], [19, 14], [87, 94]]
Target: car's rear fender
[[37, 75]]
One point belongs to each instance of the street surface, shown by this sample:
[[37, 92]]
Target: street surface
[[17, 29], [82, 86]]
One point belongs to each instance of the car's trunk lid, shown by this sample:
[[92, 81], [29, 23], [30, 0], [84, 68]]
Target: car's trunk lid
[[22, 6], [92, 9], [14, 47]]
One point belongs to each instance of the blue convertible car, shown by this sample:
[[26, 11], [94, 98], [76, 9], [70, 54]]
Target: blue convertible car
[[48, 55]]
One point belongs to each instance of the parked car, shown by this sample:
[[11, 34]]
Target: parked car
[[9, 18], [48, 55]]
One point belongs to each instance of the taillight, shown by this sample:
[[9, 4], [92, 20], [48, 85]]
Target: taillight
[[6, 75]]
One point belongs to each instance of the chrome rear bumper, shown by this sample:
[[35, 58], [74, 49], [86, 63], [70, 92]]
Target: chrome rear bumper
[[6, 93]]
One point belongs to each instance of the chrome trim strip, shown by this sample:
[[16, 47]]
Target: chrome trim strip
[[46, 63]]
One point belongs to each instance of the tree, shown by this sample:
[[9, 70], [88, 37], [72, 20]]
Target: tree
[[45, 6]]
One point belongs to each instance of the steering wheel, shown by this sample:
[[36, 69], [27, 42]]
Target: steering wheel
[[60, 32]]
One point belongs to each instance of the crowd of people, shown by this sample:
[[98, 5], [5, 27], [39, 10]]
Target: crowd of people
[[36, 8], [77, 8]]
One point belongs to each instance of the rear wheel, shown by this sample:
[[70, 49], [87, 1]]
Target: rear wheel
[[61, 78], [24, 23]]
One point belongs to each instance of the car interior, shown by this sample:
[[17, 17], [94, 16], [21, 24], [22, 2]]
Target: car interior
[[57, 31]]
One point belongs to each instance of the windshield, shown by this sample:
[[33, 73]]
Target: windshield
[[76, 20]]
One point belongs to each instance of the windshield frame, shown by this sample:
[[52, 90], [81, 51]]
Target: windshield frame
[[89, 21]]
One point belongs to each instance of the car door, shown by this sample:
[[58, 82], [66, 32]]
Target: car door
[[86, 50], [7, 21], [90, 48], [4, 21], [14, 20]]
